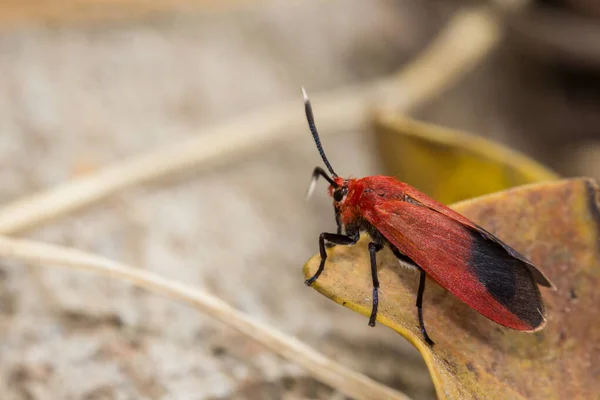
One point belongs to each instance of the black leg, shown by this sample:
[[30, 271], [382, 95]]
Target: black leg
[[405, 259], [373, 249], [335, 239], [420, 308], [338, 224]]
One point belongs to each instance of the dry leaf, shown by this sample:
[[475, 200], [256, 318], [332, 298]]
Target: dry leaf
[[451, 165], [556, 225]]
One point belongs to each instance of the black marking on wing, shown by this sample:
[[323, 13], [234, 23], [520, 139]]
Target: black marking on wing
[[537, 274], [507, 279]]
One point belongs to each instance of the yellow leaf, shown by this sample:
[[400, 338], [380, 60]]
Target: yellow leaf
[[554, 224], [450, 165]]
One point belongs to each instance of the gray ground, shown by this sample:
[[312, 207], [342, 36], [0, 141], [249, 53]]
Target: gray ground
[[76, 98]]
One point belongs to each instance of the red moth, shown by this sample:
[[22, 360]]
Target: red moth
[[477, 267]]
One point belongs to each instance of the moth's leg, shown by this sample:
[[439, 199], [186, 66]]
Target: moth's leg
[[335, 239], [338, 224], [374, 247], [407, 260], [420, 307]]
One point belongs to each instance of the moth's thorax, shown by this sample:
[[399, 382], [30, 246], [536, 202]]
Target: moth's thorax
[[363, 193]]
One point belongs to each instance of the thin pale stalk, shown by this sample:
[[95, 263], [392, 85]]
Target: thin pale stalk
[[466, 40], [320, 367]]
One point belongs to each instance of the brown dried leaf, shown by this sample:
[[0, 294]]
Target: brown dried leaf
[[557, 226]]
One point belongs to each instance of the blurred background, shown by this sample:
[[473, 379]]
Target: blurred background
[[87, 83]]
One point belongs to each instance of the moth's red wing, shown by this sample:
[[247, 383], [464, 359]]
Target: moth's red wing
[[478, 271], [430, 203]]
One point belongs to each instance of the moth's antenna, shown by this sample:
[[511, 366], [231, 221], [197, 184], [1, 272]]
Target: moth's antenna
[[316, 173], [315, 133]]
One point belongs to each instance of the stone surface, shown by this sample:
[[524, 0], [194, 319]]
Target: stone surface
[[74, 99]]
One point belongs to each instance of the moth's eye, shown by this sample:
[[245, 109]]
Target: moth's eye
[[338, 194]]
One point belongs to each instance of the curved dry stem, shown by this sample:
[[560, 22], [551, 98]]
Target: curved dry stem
[[469, 36], [321, 368], [467, 39]]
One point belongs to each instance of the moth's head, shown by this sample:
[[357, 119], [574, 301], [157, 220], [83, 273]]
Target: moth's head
[[346, 195], [339, 189]]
